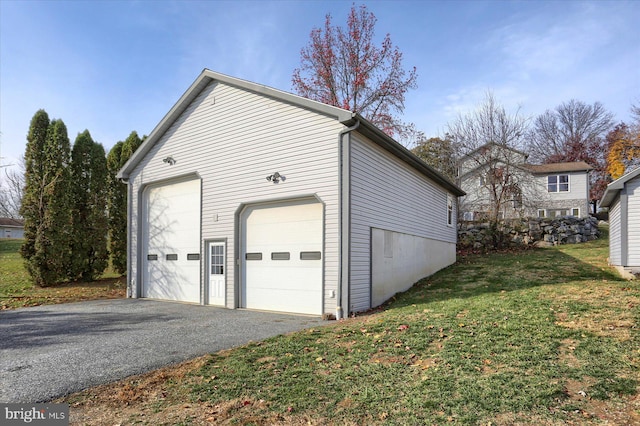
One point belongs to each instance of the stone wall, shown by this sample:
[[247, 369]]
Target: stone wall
[[540, 232]]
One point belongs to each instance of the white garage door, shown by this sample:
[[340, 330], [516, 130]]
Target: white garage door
[[172, 242], [282, 257]]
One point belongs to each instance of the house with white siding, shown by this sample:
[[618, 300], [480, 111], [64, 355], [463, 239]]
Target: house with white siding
[[245, 196], [622, 197], [11, 228], [534, 190]]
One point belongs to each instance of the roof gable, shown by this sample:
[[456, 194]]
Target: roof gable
[[614, 187], [343, 116], [203, 80]]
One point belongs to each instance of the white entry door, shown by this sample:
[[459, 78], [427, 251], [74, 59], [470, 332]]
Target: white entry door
[[216, 273]]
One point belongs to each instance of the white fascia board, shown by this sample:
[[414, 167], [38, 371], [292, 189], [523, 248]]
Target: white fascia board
[[614, 187], [205, 77]]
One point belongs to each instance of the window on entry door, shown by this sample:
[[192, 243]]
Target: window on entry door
[[217, 259]]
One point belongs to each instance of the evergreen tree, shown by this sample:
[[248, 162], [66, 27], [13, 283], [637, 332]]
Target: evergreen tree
[[130, 146], [117, 207], [118, 156], [58, 226], [89, 209], [45, 202]]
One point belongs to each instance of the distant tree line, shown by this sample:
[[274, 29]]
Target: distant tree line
[[74, 208], [573, 131]]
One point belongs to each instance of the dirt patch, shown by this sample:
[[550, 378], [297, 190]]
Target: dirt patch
[[115, 403], [618, 326], [567, 353]]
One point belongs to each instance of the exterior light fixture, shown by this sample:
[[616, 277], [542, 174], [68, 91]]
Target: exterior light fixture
[[169, 160], [276, 178]]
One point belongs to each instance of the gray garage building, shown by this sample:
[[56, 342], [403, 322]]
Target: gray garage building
[[622, 197], [245, 196]]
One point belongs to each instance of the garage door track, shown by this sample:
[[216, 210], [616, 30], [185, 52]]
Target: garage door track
[[50, 351]]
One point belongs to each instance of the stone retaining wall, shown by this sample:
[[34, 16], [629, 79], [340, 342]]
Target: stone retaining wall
[[540, 232]]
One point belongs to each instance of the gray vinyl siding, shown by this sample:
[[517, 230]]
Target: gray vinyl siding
[[388, 194], [576, 197], [233, 138], [615, 242], [633, 223]]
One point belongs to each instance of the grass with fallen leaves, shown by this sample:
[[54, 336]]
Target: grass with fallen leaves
[[546, 336], [17, 290]]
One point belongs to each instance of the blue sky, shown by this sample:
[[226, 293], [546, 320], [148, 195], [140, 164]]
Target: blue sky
[[117, 66]]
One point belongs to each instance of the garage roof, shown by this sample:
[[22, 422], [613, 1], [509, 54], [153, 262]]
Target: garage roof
[[345, 117], [614, 187]]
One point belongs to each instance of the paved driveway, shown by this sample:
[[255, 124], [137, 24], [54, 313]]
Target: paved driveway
[[50, 351]]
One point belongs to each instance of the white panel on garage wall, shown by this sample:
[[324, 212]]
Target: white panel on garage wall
[[633, 224], [615, 242], [388, 194], [234, 139], [400, 260], [171, 234], [281, 257]]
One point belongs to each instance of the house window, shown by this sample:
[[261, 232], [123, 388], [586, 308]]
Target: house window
[[558, 183], [575, 212], [541, 213], [468, 216], [557, 213], [449, 210]]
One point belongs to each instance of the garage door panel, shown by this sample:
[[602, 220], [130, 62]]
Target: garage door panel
[[291, 285], [172, 232]]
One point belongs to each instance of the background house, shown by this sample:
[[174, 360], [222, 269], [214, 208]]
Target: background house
[[564, 189], [11, 228], [622, 197], [498, 177], [247, 196]]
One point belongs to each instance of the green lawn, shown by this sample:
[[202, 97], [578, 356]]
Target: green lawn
[[17, 290], [546, 336]]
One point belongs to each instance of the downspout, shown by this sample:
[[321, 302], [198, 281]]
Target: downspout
[[125, 181], [341, 277]]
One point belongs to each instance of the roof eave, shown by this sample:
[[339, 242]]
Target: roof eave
[[205, 77], [616, 186], [388, 143]]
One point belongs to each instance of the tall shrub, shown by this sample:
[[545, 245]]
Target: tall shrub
[[89, 209], [45, 204], [117, 206]]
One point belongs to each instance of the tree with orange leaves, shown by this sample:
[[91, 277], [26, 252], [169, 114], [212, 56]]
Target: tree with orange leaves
[[624, 148]]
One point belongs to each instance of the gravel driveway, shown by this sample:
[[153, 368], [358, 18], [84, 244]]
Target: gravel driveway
[[50, 351]]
